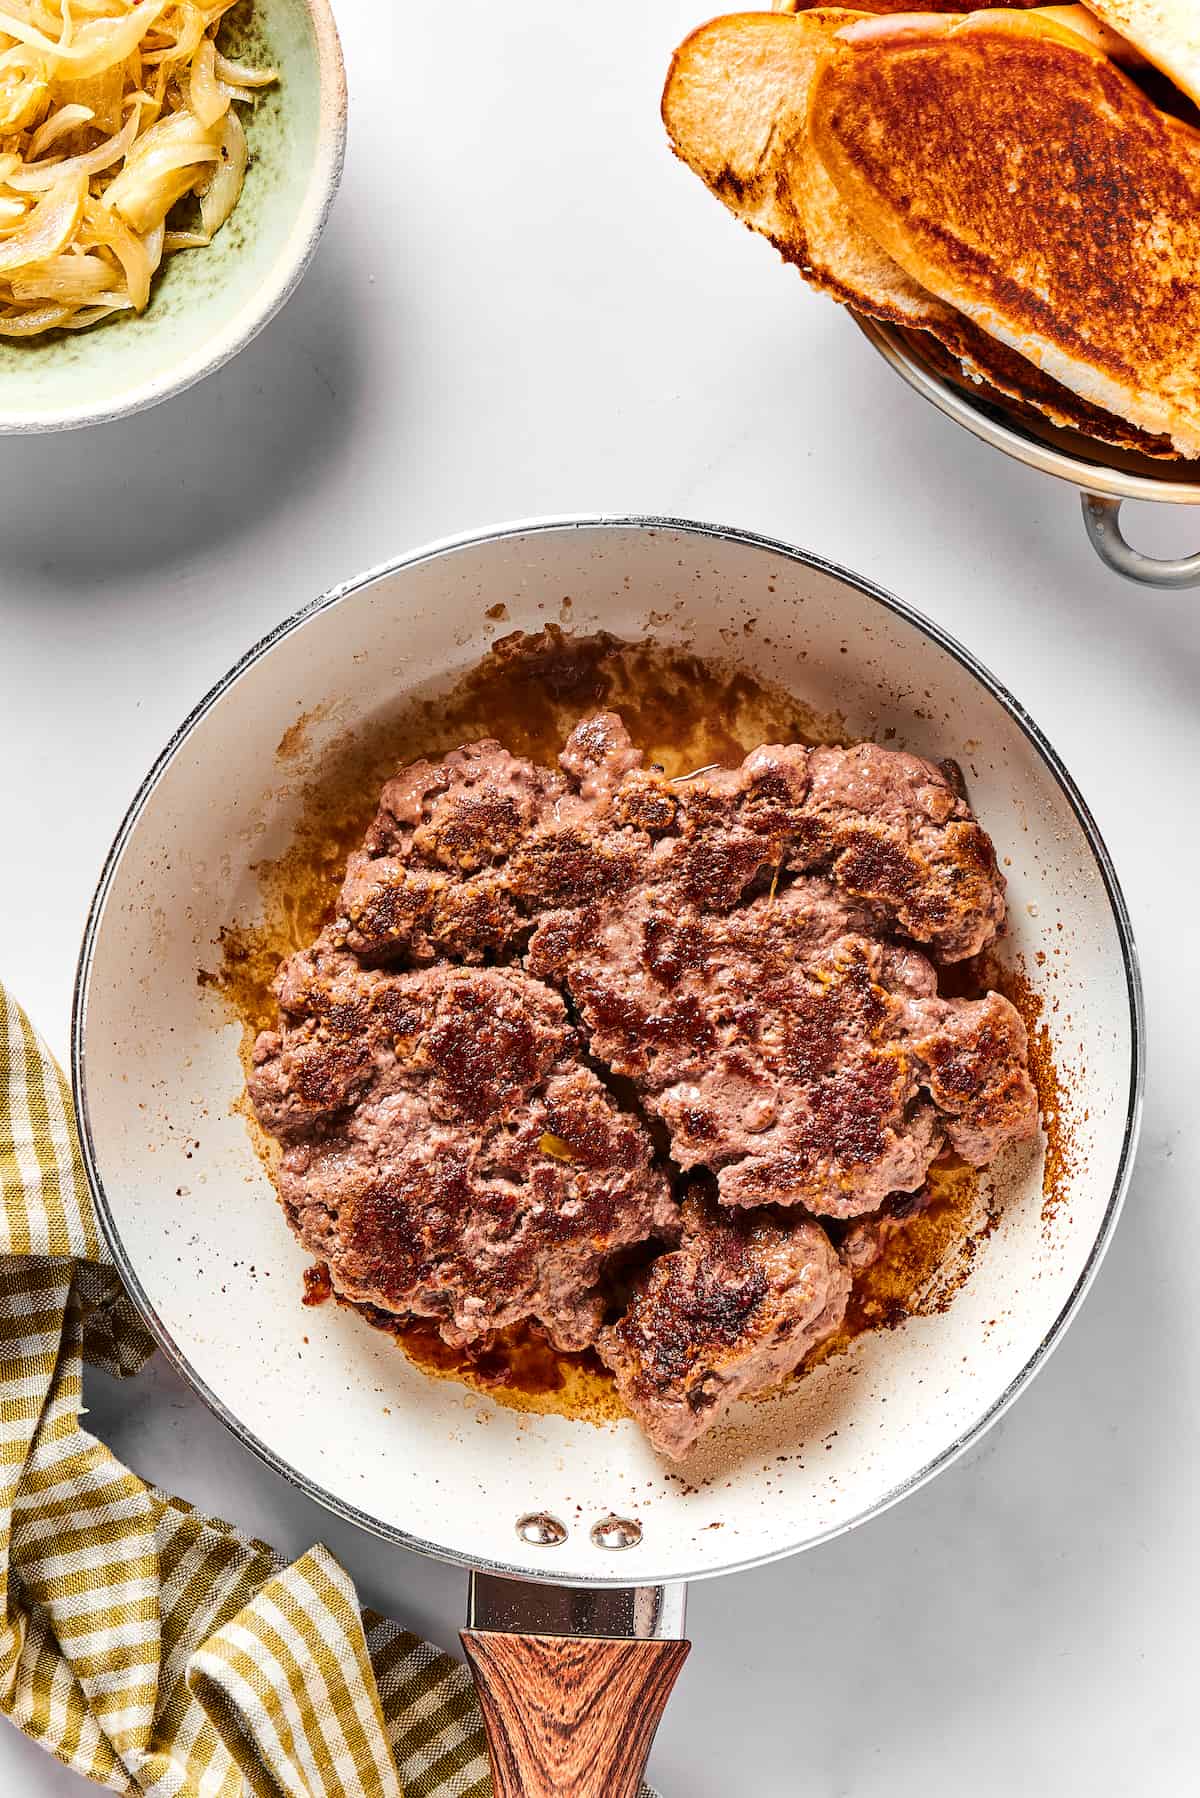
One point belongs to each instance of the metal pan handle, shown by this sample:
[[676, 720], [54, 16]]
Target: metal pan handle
[[1102, 521]]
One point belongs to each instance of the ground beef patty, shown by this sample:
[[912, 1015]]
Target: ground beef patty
[[445, 1152], [733, 1310], [783, 1044], [800, 1059], [467, 853], [751, 950]]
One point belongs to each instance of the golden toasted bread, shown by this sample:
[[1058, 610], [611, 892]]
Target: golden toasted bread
[[1077, 18], [1133, 451], [894, 6], [988, 370], [907, 6], [1020, 176], [1167, 32], [735, 106]]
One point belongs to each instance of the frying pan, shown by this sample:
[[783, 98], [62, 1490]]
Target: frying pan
[[579, 1537], [1106, 477]]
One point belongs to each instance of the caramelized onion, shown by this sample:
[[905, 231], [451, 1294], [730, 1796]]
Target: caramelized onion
[[37, 176], [239, 74], [163, 165], [206, 96], [50, 226], [105, 229], [24, 85], [139, 94], [97, 45], [31, 323], [66, 119], [221, 195], [70, 280]]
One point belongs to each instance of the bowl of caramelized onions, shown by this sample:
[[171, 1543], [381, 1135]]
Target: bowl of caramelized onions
[[166, 170]]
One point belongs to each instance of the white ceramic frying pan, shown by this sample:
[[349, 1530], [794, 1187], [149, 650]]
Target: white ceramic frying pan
[[574, 1675]]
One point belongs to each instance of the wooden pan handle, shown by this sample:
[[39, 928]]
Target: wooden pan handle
[[569, 1716]]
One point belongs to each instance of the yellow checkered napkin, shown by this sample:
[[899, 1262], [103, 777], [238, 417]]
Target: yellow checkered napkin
[[154, 1650]]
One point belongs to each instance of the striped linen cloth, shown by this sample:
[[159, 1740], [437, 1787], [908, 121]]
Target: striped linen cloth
[[152, 1649]]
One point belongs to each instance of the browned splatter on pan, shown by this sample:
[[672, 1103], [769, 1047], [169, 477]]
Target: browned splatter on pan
[[682, 710], [294, 742], [1061, 1126], [686, 713], [1059, 1122]]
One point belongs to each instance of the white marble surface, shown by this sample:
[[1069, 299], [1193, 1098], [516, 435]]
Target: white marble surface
[[539, 311]]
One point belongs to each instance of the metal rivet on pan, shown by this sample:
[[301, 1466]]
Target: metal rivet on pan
[[617, 1532], [540, 1529]]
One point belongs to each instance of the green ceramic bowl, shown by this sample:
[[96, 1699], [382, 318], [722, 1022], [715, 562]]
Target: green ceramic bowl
[[207, 304]]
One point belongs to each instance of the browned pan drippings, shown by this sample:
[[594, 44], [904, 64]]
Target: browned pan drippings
[[529, 691]]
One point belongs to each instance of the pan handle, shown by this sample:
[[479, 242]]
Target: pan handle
[[568, 1716], [1102, 521]]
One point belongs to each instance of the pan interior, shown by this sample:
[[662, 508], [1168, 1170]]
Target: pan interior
[[190, 1212]]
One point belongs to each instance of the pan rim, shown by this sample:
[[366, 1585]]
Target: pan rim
[[1005, 433], [584, 522]]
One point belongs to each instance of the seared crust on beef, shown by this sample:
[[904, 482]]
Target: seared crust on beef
[[445, 1154], [801, 1060], [474, 1043], [732, 944], [424, 883], [465, 854], [975, 1058], [733, 1310], [891, 829]]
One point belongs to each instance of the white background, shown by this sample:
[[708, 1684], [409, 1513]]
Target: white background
[[525, 306]]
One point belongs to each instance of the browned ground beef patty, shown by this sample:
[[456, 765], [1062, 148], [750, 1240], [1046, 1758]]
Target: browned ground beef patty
[[730, 1311], [445, 1151], [750, 951]]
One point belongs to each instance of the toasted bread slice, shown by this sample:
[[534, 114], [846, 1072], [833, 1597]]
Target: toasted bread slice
[[1167, 32], [1019, 175], [906, 6], [988, 370], [735, 106], [1086, 25], [1076, 18], [1134, 452]]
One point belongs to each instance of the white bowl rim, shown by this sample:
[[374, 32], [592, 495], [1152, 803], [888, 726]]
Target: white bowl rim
[[268, 299], [751, 540]]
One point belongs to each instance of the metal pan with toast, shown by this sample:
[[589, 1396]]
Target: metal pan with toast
[[1007, 199]]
